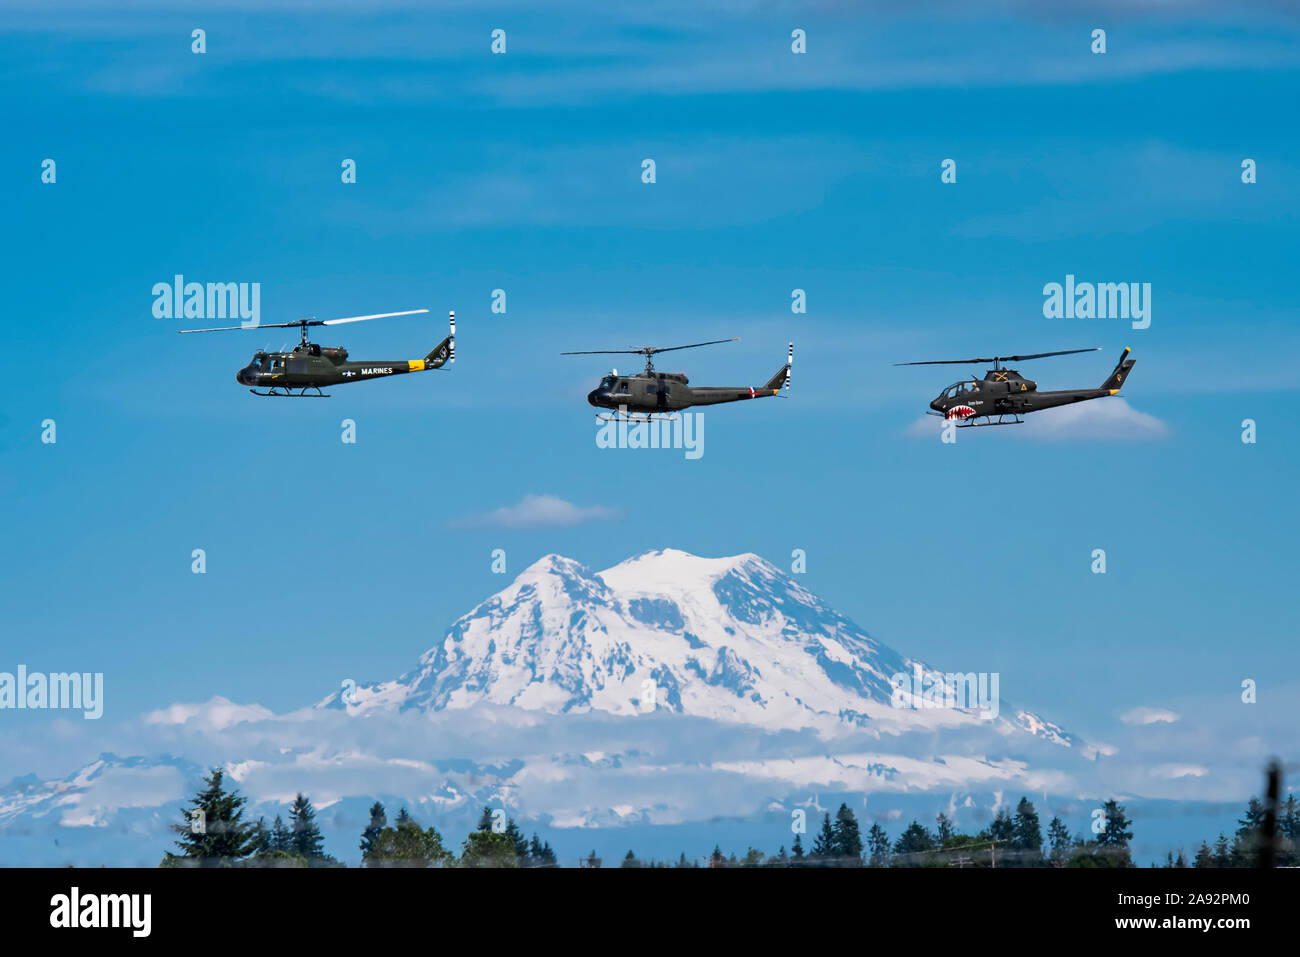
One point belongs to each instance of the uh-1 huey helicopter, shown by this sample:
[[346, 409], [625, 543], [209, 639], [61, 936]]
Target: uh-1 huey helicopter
[[1005, 392], [653, 392], [310, 366]]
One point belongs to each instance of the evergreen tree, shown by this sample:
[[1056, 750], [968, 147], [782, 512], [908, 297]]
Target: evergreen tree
[[1222, 852], [213, 832], [539, 854], [630, 860], [823, 849], [521, 843], [307, 839], [1028, 835], [1002, 829], [848, 838], [1204, 857], [408, 845], [716, 859], [753, 858], [281, 837], [878, 846], [1058, 836], [488, 849], [1114, 838], [945, 831], [914, 842], [260, 837], [1182, 859], [796, 849], [1249, 837], [378, 821], [485, 819]]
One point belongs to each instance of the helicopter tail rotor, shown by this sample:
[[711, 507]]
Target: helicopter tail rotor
[[1116, 380], [782, 378]]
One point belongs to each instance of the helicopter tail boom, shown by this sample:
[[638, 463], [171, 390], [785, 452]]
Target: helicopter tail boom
[[1116, 380], [782, 377]]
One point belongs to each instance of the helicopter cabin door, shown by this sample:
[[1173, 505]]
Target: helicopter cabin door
[[663, 395]]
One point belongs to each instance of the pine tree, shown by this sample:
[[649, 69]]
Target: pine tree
[[1249, 837], [1058, 836], [485, 819], [848, 837], [213, 832], [716, 859], [408, 845], [945, 830], [307, 839], [913, 843], [796, 849], [260, 837], [823, 849], [378, 821], [630, 860], [521, 843], [281, 837], [1204, 857], [1003, 828], [878, 846], [1222, 853], [1027, 839], [488, 849], [539, 854], [1113, 840]]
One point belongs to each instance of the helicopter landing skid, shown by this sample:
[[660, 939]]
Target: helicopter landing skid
[[636, 419], [287, 394], [1015, 420]]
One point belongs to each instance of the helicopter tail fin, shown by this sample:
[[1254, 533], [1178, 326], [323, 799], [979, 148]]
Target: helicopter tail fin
[[444, 351], [1116, 380], [782, 378]]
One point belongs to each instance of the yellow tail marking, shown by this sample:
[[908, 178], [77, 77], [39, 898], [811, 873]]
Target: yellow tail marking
[[416, 365]]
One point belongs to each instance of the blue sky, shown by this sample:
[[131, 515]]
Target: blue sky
[[522, 172]]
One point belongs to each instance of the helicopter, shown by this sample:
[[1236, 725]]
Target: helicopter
[[666, 392], [1005, 392], [310, 366]]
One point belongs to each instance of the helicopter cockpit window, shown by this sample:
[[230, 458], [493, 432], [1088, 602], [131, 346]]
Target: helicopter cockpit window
[[607, 383], [263, 363], [958, 388]]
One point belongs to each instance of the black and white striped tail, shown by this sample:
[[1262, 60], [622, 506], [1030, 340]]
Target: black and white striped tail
[[789, 362], [451, 346]]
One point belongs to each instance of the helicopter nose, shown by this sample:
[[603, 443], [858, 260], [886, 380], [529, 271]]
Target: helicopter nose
[[595, 396], [936, 405]]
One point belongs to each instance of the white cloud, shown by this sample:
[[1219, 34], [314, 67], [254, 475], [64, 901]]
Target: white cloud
[[216, 714], [540, 511], [1145, 715]]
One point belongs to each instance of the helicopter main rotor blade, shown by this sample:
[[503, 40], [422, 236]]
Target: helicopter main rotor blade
[[262, 325], [607, 352], [1035, 355], [309, 322], [378, 315], [647, 350], [711, 342]]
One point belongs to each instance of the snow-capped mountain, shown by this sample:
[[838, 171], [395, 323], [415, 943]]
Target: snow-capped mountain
[[729, 639]]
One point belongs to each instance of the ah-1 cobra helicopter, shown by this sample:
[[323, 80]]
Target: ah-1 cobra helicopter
[[1005, 392], [659, 392], [310, 366]]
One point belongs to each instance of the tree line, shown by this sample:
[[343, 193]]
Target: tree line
[[214, 833]]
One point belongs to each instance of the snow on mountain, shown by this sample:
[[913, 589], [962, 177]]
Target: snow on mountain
[[728, 639]]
